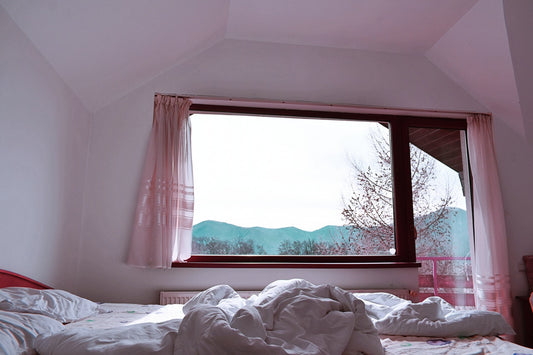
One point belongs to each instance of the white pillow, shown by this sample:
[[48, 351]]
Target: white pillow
[[57, 304], [18, 331]]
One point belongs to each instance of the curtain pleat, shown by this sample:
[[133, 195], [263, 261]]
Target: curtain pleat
[[162, 232], [489, 258]]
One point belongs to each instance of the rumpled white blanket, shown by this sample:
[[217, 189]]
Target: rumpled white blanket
[[287, 317], [433, 317]]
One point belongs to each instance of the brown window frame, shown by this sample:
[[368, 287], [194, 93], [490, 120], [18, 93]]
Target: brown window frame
[[403, 206]]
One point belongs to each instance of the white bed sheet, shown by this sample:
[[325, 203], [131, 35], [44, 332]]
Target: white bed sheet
[[122, 329], [401, 345], [124, 314]]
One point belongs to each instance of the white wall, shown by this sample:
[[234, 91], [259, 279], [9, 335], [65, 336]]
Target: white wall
[[43, 144], [518, 15], [515, 151], [238, 69]]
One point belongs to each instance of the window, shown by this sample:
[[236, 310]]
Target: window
[[439, 187], [290, 187]]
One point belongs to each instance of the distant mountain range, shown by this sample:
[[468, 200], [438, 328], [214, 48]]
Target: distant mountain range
[[271, 238]]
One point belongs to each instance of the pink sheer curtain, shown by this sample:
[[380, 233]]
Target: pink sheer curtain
[[163, 220], [489, 257]]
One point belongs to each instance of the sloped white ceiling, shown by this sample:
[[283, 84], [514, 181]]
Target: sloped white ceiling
[[475, 54], [105, 48], [405, 26]]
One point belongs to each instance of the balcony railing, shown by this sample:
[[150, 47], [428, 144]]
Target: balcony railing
[[455, 288]]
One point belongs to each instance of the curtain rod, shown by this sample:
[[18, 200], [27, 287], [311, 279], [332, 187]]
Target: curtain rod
[[228, 101]]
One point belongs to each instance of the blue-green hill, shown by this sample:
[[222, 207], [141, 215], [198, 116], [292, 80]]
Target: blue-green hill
[[271, 238]]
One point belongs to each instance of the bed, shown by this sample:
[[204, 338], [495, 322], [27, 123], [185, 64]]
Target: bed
[[287, 317]]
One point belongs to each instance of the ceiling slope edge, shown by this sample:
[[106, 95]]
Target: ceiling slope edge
[[518, 14], [475, 54], [207, 45], [4, 12]]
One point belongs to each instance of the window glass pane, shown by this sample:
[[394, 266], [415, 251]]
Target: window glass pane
[[440, 217], [285, 186]]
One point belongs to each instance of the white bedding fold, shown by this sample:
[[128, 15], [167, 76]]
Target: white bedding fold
[[432, 317], [288, 317]]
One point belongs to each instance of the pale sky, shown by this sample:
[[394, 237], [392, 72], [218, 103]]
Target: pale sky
[[275, 172]]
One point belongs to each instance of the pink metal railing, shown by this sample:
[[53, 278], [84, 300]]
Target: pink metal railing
[[451, 296]]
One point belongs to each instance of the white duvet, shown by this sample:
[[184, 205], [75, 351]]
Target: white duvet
[[288, 317], [433, 317]]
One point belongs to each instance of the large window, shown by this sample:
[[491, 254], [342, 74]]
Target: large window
[[282, 187]]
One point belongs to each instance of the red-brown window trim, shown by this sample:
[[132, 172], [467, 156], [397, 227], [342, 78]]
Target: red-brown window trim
[[295, 265], [404, 231]]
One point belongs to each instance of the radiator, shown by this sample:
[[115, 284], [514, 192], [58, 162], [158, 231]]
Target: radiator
[[181, 297]]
